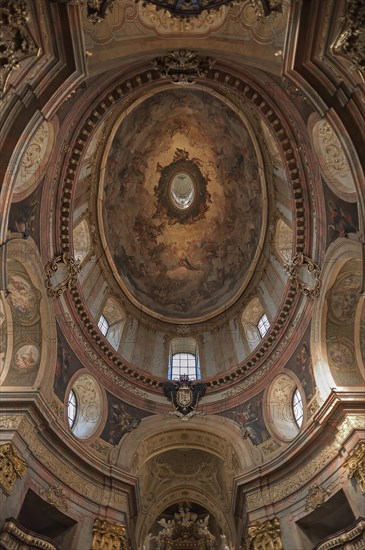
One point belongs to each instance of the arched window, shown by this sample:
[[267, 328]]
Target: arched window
[[255, 323], [297, 405], [111, 322], [183, 363], [263, 325], [184, 359], [103, 325], [71, 409]]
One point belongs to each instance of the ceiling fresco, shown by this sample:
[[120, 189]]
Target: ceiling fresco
[[182, 204]]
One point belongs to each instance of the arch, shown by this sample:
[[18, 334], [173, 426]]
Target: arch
[[336, 306], [25, 254], [215, 434]]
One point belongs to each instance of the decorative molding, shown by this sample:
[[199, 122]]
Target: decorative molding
[[12, 467], [55, 496], [305, 275], [55, 464], [101, 447], [187, 8], [335, 157], [16, 42], [264, 535], [10, 422], [255, 98], [14, 535], [355, 464], [109, 535], [293, 483], [317, 494], [352, 538], [183, 66], [63, 263]]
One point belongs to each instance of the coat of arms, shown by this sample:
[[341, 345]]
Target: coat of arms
[[184, 395]]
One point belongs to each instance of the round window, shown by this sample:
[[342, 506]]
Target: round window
[[84, 407], [182, 190]]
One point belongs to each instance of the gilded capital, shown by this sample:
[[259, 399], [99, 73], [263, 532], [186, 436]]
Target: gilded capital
[[264, 535], [109, 536], [355, 464], [12, 467]]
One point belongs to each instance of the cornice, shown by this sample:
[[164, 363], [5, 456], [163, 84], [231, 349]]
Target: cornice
[[341, 415], [263, 105]]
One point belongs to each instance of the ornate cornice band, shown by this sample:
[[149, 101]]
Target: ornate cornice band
[[262, 104]]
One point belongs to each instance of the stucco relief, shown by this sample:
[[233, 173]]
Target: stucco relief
[[174, 264], [34, 160]]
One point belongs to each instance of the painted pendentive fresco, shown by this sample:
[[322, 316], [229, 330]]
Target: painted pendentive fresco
[[183, 214], [342, 300], [24, 300], [122, 419], [67, 365], [249, 416], [301, 364], [342, 216]]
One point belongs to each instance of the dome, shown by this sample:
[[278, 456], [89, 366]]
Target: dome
[[183, 210]]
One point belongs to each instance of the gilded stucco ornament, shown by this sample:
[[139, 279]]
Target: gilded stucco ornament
[[189, 8], [16, 43], [317, 494], [352, 538], [14, 535], [61, 274], [12, 467], [183, 66], [109, 536], [305, 275], [184, 395], [355, 464], [55, 496], [264, 535]]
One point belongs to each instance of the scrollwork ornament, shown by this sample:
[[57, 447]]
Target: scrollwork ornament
[[109, 535], [265, 535], [183, 66], [355, 464], [12, 467], [55, 496], [317, 494], [67, 280], [305, 274]]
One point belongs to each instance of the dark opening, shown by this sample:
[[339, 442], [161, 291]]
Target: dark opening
[[329, 518], [42, 518]]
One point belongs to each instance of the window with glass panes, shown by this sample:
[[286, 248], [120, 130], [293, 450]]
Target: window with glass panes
[[297, 405], [183, 363], [263, 325], [71, 408], [103, 325]]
